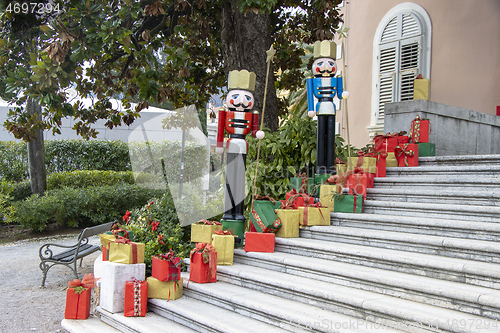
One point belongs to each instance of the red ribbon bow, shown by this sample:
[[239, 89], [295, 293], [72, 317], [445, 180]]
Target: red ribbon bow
[[176, 261], [225, 232], [122, 240], [88, 281], [207, 222]]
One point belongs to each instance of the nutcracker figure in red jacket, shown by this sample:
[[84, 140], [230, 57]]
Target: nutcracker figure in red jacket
[[238, 121]]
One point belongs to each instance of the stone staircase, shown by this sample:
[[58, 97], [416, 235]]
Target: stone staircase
[[422, 258]]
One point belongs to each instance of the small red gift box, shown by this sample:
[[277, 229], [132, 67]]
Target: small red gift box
[[298, 199], [77, 303], [166, 267], [203, 267], [259, 242], [419, 130], [389, 142], [359, 182], [407, 154], [78, 297], [136, 298]]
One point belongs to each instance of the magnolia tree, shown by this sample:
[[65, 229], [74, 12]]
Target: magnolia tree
[[144, 52]]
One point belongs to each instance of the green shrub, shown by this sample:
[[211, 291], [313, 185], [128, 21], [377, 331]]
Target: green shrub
[[70, 155], [13, 161], [289, 150], [21, 190], [84, 178], [78, 207], [168, 233]]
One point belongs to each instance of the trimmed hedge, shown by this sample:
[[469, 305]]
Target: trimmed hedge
[[79, 207], [71, 155], [84, 178]]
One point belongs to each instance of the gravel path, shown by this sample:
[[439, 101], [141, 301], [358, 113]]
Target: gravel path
[[25, 306]]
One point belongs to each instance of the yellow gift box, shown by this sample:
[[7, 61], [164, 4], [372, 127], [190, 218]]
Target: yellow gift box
[[369, 164], [224, 246], [327, 194], [106, 239], [130, 253], [341, 169], [315, 216], [391, 161], [170, 290], [421, 89], [290, 219], [202, 233]]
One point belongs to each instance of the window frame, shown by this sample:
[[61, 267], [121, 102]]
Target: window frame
[[424, 56]]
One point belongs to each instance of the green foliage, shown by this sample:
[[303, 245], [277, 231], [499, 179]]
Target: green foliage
[[13, 161], [143, 51], [156, 225], [70, 155], [85, 178], [290, 150], [78, 207]]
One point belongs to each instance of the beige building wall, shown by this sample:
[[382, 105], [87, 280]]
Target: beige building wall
[[465, 57]]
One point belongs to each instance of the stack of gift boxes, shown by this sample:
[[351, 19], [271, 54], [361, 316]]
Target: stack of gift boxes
[[121, 278]]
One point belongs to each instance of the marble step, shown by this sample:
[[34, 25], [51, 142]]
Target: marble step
[[420, 225], [446, 170], [434, 210], [470, 249], [451, 295], [151, 323], [454, 183], [475, 197], [460, 160], [385, 310], [451, 269], [90, 325], [201, 316], [273, 309]]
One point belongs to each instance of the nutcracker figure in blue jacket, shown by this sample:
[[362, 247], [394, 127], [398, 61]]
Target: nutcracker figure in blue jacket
[[321, 89]]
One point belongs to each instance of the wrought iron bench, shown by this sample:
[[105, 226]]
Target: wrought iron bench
[[70, 256]]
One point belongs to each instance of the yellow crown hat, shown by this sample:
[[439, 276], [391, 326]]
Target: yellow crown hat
[[325, 49], [243, 79]]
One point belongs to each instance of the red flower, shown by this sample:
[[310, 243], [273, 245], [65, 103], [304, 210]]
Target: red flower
[[126, 217], [159, 239], [154, 225], [149, 205]]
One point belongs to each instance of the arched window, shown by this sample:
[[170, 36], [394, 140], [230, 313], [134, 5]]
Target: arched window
[[401, 51]]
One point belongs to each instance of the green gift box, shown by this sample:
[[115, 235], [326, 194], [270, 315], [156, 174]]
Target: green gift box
[[426, 149], [263, 216], [348, 203], [296, 183]]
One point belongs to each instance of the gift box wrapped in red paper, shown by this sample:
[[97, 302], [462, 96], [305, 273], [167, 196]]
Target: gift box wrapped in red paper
[[298, 199], [419, 130], [358, 183], [166, 267], [78, 297], [259, 242], [136, 298], [407, 154], [388, 142], [203, 267]]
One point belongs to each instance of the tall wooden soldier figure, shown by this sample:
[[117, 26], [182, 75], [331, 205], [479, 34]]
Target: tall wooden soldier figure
[[238, 121], [320, 93]]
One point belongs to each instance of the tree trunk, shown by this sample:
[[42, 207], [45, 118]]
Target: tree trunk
[[245, 40], [36, 154]]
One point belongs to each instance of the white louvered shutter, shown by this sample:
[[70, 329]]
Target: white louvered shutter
[[399, 59]]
